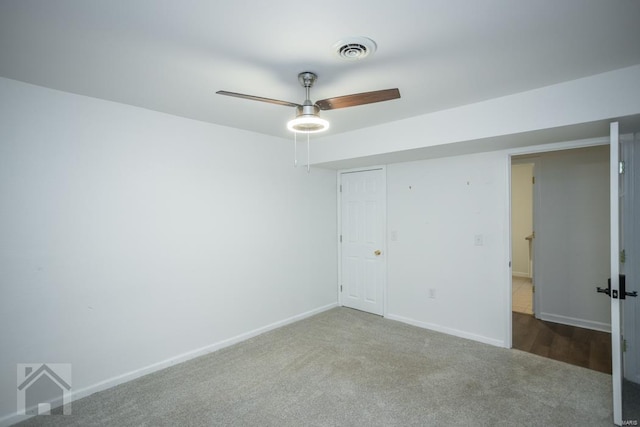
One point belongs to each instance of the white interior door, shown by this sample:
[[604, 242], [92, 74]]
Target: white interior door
[[616, 317], [363, 243], [630, 267]]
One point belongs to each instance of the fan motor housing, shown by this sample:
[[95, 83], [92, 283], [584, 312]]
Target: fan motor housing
[[307, 110]]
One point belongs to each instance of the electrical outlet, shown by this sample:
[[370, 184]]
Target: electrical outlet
[[478, 240], [432, 293]]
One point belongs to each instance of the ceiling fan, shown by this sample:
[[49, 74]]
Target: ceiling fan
[[308, 113]]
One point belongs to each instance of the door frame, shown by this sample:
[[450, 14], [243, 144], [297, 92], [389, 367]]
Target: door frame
[[339, 174], [616, 305], [532, 150]]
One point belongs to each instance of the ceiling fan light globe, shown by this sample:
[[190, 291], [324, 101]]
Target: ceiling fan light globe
[[308, 124]]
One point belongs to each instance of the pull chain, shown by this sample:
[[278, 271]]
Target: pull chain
[[295, 149]]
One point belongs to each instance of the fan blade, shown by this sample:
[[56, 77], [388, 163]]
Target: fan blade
[[358, 99], [258, 98]]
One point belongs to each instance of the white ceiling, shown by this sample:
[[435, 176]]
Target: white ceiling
[[173, 55]]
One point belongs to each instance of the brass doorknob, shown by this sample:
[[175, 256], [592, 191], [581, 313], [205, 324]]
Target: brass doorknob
[[377, 252]]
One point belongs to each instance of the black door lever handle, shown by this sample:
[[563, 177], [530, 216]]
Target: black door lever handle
[[623, 289]]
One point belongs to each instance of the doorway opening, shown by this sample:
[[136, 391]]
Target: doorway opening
[[560, 245]]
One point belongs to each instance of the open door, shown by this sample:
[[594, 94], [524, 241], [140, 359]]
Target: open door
[[630, 269], [626, 405]]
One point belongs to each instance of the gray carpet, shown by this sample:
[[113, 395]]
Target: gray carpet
[[348, 368]]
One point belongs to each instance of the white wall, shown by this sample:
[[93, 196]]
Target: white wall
[[521, 218], [131, 239], [590, 99], [437, 207], [572, 234]]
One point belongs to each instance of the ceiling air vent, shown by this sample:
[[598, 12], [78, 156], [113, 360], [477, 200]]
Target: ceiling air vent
[[355, 48]]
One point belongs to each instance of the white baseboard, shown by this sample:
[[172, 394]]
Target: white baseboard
[[520, 274], [448, 331], [572, 321], [13, 418]]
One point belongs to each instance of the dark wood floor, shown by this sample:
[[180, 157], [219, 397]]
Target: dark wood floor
[[578, 346]]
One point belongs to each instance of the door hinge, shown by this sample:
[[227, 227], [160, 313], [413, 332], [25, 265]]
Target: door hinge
[[533, 179], [621, 167], [533, 289], [340, 288], [341, 238], [623, 256], [624, 345], [341, 188]]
